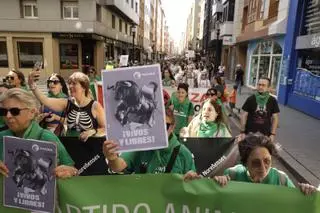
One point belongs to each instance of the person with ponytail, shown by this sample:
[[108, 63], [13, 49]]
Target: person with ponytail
[[260, 112]]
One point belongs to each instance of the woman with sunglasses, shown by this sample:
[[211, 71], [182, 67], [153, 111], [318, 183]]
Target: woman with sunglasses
[[57, 88], [85, 116], [210, 123], [256, 152], [16, 79], [19, 109]]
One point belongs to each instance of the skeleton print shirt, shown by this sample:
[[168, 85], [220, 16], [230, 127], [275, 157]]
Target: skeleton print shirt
[[80, 119]]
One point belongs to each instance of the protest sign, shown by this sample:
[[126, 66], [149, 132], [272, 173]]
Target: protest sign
[[88, 156], [134, 108], [170, 194], [31, 183], [212, 155], [123, 60]]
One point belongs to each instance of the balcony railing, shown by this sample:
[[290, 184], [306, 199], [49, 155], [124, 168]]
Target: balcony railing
[[307, 84]]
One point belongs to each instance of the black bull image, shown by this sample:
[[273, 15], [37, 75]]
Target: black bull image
[[135, 104]]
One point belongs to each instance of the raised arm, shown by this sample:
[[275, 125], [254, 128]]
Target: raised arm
[[56, 104]]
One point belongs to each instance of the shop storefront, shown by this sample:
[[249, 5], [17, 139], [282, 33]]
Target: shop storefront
[[265, 58], [300, 75]]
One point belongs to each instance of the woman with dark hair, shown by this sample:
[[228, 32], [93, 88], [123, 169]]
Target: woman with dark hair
[[168, 78], [182, 107], [210, 122], [85, 117], [256, 152], [15, 78], [57, 88]]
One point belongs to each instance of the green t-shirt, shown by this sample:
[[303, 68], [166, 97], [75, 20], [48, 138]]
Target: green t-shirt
[[167, 82], [2, 122], [92, 86], [35, 132], [181, 111], [157, 160], [240, 173]]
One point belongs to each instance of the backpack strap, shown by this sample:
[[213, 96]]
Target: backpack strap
[[173, 158]]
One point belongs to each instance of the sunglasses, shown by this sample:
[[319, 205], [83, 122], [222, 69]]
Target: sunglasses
[[211, 94], [13, 111], [55, 82], [10, 78]]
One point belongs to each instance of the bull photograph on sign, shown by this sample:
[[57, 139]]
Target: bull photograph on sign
[[134, 108], [135, 104]]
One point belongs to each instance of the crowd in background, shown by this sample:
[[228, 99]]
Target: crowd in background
[[77, 108]]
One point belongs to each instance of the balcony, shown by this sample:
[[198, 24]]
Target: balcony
[[226, 28], [217, 8], [122, 8]]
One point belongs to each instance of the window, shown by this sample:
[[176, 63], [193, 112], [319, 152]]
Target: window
[[98, 12], [30, 9], [70, 10], [132, 4], [126, 28], [69, 56], [113, 22], [120, 25], [136, 7], [3, 54], [29, 53]]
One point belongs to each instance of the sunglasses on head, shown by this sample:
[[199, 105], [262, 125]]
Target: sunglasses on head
[[10, 77], [13, 111], [53, 81]]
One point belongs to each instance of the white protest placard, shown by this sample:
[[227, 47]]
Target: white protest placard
[[31, 183], [124, 60], [134, 108]]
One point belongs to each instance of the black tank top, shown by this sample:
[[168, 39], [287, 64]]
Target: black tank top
[[80, 118]]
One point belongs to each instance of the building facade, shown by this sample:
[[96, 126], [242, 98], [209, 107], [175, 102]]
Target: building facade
[[262, 39], [300, 75], [67, 36]]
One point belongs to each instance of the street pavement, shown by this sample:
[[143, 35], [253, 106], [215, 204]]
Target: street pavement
[[299, 137]]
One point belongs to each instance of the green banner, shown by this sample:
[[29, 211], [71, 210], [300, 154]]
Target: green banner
[[170, 194]]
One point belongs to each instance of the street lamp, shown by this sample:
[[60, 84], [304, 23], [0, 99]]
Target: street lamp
[[133, 33], [218, 47]]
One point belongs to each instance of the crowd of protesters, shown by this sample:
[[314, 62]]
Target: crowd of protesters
[[84, 117]]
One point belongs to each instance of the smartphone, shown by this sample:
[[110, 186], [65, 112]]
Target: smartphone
[[37, 67]]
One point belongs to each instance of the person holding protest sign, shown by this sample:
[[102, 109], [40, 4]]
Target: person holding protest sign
[[85, 117], [209, 123], [57, 88], [182, 107], [19, 109], [174, 159], [256, 152]]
